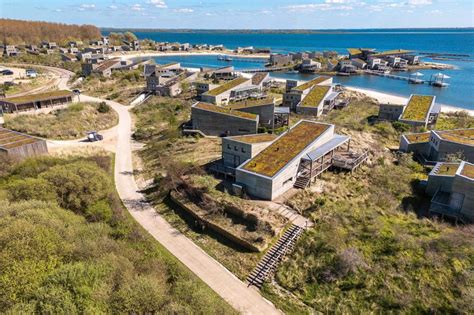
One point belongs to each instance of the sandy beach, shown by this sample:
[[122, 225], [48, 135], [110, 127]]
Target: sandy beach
[[133, 55]]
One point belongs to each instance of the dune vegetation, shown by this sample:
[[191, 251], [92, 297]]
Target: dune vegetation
[[71, 122], [68, 246]]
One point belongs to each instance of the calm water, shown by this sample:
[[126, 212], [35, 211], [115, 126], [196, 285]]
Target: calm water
[[460, 93]]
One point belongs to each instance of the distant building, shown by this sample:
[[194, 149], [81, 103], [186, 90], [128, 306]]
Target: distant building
[[330, 54], [20, 146], [10, 51], [293, 97], [35, 101], [222, 94], [103, 68], [279, 60], [359, 63]]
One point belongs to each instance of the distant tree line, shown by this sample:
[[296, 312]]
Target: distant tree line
[[17, 32], [116, 39]]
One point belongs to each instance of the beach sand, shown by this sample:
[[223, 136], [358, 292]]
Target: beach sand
[[132, 55]]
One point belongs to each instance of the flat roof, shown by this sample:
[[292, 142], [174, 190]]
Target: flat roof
[[258, 77], [226, 86], [223, 110], [418, 137], [310, 83], [252, 103], [251, 139], [394, 52], [463, 136], [38, 97], [107, 64], [10, 139], [447, 169], [284, 149], [468, 170], [315, 96], [418, 107], [334, 142], [354, 51]]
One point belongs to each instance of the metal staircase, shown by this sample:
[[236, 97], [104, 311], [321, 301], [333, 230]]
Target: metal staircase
[[274, 256]]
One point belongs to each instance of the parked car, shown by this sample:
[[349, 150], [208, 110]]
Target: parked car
[[7, 72], [93, 136], [31, 73]]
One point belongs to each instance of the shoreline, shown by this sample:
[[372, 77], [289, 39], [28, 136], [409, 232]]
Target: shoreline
[[133, 55]]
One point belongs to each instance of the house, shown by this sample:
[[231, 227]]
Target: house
[[440, 145], [420, 111], [224, 73], [279, 60], [451, 186], [68, 57], [374, 62], [105, 40], [72, 50], [315, 55], [393, 61], [103, 68], [264, 108], [49, 45], [213, 120], [331, 65], [216, 47], [330, 54], [222, 94], [297, 94], [10, 51], [298, 56], [156, 75], [259, 79], [309, 66], [238, 149], [313, 103], [20, 146], [346, 66], [294, 159], [354, 53], [412, 59], [35, 101], [359, 63], [32, 47], [170, 87], [203, 87], [133, 45]]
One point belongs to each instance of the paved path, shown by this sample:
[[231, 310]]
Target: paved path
[[223, 282]]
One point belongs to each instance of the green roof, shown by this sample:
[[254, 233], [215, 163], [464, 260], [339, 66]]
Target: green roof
[[37, 97], [226, 86], [315, 96], [10, 139], [278, 154], [252, 103], [468, 170], [447, 169], [258, 138], [308, 84], [354, 51], [418, 108], [394, 52], [418, 137], [463, 136], [223, 110]]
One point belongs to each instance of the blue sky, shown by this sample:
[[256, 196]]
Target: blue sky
[[248, 14]]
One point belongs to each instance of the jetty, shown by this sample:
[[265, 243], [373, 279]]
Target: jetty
[[271, 69], [242, 59]]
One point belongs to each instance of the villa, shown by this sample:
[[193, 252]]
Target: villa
[[222, 94], [296, 93], [420, 111], [438, 145], [35, 101], [295, 159], [264, 108], [213, 120], [20, 146], [451, 186], [170, 86], [103, 68], [313, 103]]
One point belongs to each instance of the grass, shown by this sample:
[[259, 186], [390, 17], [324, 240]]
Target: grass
[[71, 122], [417, 108], [251, 103], [447, 169], [468, 170], [418, 137], [39, 97], [226, 111], [464, 136], [310, 83], [264, 137], [7, 136], [279, 153], [315, 96], [226, 86]]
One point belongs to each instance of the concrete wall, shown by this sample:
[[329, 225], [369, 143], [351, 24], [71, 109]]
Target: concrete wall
[[264, 112], [436, 182], [27, 150], [445, 148], [257, 186], [217, 124], [465, 187], [234, 152], [310, 111], [291, 99], [390, 112]]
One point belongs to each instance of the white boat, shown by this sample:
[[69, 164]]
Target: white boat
[[292, 72], [228, 58]]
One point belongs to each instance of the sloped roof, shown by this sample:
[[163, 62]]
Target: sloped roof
[[38, 97], [10, 139]]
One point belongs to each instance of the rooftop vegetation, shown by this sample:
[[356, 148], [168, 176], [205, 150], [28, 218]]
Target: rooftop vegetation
[[107, 64], [284, 149], [394, 52], [258, 77], [250, 139], [10, 139], [464, 136], [468, 170], [38, 97], [251, 103], [226, 111], [226, 86], [315, 96], [418, 137], [310, 83], [71, 122], [447, 169], [418, 108], [354, 51]]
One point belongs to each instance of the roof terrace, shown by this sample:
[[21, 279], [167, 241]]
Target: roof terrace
[[226, 86]]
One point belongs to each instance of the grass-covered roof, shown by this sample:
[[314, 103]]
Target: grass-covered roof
[[447, 169], [310, 83], [38, 97], [286, 148], [227, 86], [418, 137], [468, 170], [315, 96], [10, 139], [463, 136], [418, 108], [226, 111], [258, 138], [252, 103]]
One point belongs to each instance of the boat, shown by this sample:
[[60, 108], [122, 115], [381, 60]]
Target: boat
[[220, 57], [292, 72], [343, 74], [228, 58]]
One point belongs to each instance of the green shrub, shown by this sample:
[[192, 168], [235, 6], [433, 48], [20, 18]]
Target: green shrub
[[400, 126], [31, 189], [103, 108], [99, 211]]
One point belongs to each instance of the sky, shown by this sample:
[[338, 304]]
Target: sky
[[246, 14]]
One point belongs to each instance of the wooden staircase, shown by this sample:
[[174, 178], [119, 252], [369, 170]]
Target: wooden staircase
[[302, 182], [274, 256]]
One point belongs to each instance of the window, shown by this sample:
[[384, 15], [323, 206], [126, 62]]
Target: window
[[243, 150], [236, 148], [287, 181], [228, 147]]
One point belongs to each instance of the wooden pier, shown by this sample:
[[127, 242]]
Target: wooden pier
[[273, 69], [243, 59]]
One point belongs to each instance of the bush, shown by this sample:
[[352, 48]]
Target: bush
[[99, 211], [31, 189], [400, 127], [103, 108]]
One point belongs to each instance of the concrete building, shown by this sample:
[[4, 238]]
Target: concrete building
[[296, 94], [238, 149], [313, 103], [35, 101], [259, 79], [224, 73], [279, 60], [420, 111], [222, 94], [170, 87], [103, 68], [439, 145], [214, 120], [20, 146], [451, 186], [359, 63], [10, 51], [295, 158], [309, 66], [264, 108], [203, 87]]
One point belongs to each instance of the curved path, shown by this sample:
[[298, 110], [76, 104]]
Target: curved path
[[223, 282]]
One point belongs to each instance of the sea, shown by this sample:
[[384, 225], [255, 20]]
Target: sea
[[459, 93]]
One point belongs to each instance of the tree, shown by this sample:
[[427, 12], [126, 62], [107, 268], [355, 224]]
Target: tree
[[129, 36]]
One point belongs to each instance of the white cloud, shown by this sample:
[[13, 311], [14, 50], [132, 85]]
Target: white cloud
[[58, 10], [137, 7], [158, 3], [419, 2], [184, 10], [86, 6], [266, 12], [328, 5], [209, 14], [113, 7]]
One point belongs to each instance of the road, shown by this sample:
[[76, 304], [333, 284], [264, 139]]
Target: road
[[244, 299]]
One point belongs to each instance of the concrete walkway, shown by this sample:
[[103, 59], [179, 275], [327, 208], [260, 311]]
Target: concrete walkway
[[244, 299]]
